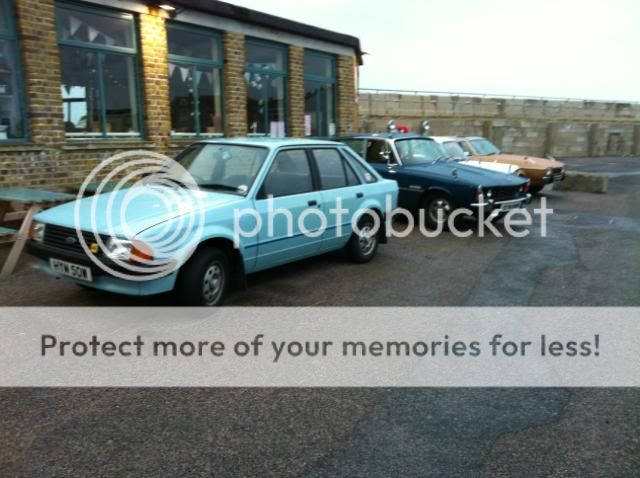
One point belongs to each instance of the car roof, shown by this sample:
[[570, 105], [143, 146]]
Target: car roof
[[384, 136], [271, 143], [474, 137]]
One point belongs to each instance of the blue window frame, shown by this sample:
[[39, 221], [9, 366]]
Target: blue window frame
[[13, 118], [319, 94], [100, 72], [195, 81], [266, 78]]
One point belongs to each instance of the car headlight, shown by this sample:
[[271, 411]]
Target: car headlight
[[118, 249], [37, 231], [125, 250], [549, 171], [489, 193]]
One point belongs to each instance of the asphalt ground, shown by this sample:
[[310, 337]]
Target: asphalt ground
[[591, 258]]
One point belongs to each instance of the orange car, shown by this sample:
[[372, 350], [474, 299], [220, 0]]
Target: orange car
[[540, 171]]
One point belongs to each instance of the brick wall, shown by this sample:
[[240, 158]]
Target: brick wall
[[526, 126], [235, 88], [296, 91], [348, 121], [155, 74]]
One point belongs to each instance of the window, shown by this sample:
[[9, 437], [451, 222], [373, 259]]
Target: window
[[99, 62], [195, 81], [319, 94], [266, 77], [361, 167], [12, 111], [376, 151], [289, 174], [332, 169], [223, 167]]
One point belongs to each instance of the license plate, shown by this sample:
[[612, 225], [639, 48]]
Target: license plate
[[71, 270], [509, 207]]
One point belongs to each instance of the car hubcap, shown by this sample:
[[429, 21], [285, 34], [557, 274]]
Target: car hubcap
[[367, 240], [439, 205], [212, 284]]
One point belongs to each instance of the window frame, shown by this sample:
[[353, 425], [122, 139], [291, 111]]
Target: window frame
[[323, 80], [10, 35], [192, 62], [134, 52], [284, 74]]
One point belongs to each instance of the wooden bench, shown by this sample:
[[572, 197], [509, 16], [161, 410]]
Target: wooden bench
[[7, 235], [27, 202]]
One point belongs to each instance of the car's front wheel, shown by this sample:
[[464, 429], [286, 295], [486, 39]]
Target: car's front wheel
[[363, 245], [437, 207], [204, 279]]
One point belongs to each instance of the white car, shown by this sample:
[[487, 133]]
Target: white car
[[454, 151]]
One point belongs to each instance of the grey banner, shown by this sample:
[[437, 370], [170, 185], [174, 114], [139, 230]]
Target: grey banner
[[314, 347]]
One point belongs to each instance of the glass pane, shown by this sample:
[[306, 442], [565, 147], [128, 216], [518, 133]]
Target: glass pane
[[11, 119], [311, 95], [95, 28], [210, 100], [289, 174], [266, 112], [182, 99], [4, 15], [330, 168], [318, 65], [80, 94], [256, 106], [192, 44], [319, 109], [277, 116], [120, 94], [265, 57]]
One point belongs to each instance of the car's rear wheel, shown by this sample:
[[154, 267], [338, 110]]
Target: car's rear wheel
[[363, 245], [204, 279], [435, 206]]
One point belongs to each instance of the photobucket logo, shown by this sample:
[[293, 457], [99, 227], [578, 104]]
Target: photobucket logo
[[517, 222], [150, 222]]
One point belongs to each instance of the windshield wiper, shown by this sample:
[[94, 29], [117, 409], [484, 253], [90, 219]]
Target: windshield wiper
[[220, 187]]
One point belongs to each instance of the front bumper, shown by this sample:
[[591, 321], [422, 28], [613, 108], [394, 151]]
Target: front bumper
[[502, 206], [554, 178], [101, 279]]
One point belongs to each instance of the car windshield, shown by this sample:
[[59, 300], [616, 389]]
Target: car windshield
[[223, 167], [453, 150], [419, 151], [484, 147]]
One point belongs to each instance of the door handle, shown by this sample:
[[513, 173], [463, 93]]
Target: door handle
[[313, 203], [359, 195]]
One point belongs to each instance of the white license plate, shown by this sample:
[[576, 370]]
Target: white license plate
[[509, 207], [71, 270]]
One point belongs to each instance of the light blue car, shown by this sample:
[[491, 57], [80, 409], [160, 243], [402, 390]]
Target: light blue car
[[259, 203]]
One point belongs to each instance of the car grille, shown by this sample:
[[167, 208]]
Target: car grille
[[506, 193], [66, 239], [557, 174]]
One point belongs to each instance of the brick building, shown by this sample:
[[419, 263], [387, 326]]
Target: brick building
[[82, 80]]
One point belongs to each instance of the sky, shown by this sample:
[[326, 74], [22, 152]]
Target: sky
[[560, 48]]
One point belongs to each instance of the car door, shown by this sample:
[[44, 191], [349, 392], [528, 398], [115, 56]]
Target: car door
[[341, 189], [287, 192]]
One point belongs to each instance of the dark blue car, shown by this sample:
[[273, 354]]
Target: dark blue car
[[429, 180]]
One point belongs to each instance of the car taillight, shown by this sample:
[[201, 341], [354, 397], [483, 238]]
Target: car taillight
[[527, 186]]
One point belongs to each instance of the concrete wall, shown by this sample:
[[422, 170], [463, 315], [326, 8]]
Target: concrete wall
[[528, 126]]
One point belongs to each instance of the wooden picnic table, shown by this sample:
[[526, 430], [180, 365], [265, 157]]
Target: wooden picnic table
[[29, 201]]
